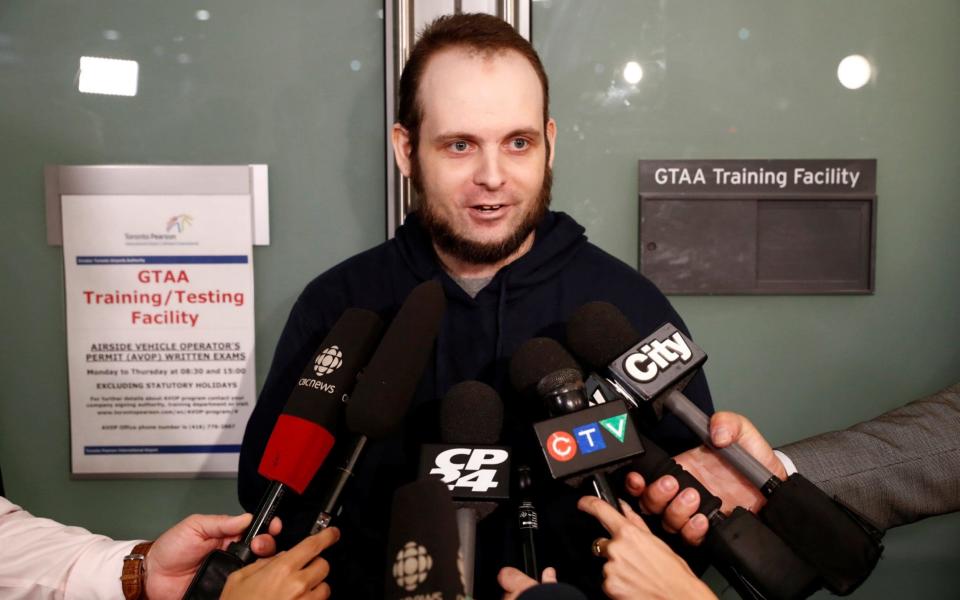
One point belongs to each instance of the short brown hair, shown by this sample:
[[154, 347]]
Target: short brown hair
[[474, 31]]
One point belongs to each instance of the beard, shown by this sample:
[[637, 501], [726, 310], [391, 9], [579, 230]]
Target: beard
[[470, 251]]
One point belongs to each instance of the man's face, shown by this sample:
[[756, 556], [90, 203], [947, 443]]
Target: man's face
[[482, 167]]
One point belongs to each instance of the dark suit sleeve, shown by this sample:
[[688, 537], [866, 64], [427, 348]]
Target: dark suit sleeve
[[301, 336], [894, 469]]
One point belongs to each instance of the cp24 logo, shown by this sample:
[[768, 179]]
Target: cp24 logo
[[453, 463], [563, 446]]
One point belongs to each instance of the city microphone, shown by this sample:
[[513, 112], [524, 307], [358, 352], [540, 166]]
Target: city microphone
[[301, 439], [579, 441], [422, 545], [473, 467], [841, 547], [382, 396]]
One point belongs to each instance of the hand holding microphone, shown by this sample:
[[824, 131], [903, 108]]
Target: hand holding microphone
[[298, 574]]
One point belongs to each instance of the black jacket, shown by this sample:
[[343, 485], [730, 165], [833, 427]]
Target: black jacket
[[533, 296]]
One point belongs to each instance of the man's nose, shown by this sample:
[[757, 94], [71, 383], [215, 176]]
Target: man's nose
[[489, 173]]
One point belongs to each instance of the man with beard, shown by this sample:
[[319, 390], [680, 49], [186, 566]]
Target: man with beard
[[475, 137]]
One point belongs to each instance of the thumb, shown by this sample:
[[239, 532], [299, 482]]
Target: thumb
[[549, 575], [725, 428], [219, 526]]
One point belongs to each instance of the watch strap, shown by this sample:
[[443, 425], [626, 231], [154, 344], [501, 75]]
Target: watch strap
[[132, 578]]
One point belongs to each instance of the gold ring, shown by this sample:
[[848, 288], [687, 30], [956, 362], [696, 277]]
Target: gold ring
[[599, 547]]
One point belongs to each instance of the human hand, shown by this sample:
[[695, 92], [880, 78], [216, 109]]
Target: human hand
[[179, 551], [639, 564], [678, 509], [514, 581], [296, 573]]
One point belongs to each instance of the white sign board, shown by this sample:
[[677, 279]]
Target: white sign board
[[160, 332]]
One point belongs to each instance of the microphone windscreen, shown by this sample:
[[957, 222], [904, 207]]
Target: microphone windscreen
[[538, 358], [598, 332], [304, 432], [423, 549], [383, 394], [471, 413]]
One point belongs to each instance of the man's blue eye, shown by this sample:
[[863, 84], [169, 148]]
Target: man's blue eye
[[519, 143], [460, 146]]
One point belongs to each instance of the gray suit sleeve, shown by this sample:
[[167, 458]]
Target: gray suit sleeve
[[894, 469]]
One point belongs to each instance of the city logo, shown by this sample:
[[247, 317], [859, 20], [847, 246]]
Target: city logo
[[328, 361], [644, 364], [412, 565], [179, 223], [478, 477], [586, 439]]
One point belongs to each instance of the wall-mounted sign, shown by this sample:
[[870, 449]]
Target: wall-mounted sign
[[160, 332], [758, 226]]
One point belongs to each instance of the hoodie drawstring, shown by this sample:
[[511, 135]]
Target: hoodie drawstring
[[501, 311]]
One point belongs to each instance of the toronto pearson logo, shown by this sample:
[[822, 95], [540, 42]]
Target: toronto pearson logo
[[179, 223]]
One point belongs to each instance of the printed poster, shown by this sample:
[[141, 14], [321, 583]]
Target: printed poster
[[160, 333]]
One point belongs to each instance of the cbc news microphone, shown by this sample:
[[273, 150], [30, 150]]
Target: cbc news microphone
[[383, 394], [473, 467], [423, 550], [301, 439], [841, 547], [579, 441]]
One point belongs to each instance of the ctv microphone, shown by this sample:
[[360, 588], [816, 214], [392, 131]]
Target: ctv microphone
[[474, 468], [422, 547], [302, 437], [652, 370], [383, 394], [579, 441]]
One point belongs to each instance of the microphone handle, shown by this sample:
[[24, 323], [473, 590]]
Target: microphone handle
[[699, 423], [261, 521], [346, 470], [601, 487], [467, 528], [527, 517]]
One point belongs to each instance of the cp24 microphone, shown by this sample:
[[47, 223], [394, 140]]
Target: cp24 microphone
[[382, 396], [840, 547], [302, 437], [473, 467], [423, 546], [578, 441]]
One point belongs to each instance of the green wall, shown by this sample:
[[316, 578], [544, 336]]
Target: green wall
[[299, 86]]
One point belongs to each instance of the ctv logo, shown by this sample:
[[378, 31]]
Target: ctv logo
[[563, 446], [656, 356], [453, 463]]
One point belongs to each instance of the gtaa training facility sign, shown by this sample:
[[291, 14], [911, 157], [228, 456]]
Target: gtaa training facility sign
[[160, 332]]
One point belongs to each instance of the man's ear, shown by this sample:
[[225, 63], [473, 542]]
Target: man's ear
[[400, 138], [551, 140]]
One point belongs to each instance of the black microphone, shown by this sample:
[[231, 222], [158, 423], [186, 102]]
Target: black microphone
[[842, 548], [473, 467], [423, 547], [382, 396], [651, 372], [580, 440], [528, 521], [301, 439]]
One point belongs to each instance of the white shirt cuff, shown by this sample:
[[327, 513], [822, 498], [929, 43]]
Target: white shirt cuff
[[786, 462]]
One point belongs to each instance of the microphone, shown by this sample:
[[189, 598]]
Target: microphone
[[650, 371], [422, 549], [382, 396], [579, 441], [528, 522], [474, 469], [301, 439]]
